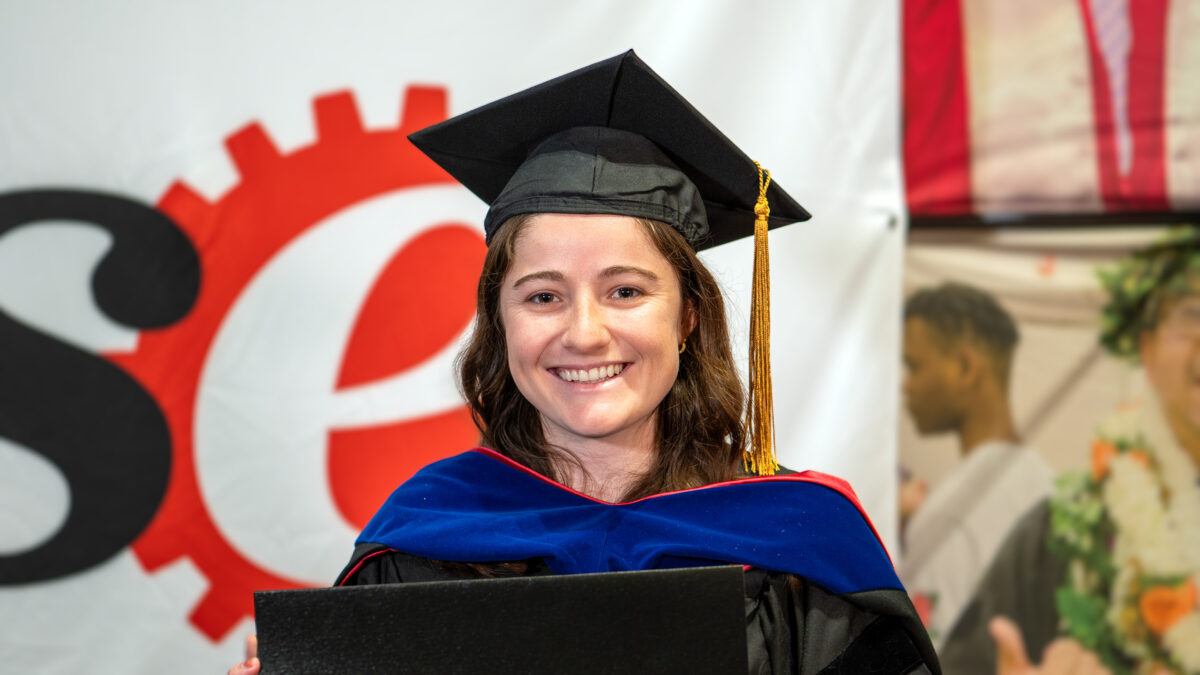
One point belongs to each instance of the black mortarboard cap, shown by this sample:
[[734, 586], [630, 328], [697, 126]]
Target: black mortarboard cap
[[612, 137]]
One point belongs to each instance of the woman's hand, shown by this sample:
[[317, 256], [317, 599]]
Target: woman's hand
[[251, 665], [1061, 657]]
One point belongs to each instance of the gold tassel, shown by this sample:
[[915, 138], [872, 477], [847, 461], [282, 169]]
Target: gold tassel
[[760, 414]]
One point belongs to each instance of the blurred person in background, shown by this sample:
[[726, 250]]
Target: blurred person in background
[[1109, 563], [958, 355]]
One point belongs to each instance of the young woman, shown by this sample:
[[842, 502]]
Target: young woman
[[600, 375]]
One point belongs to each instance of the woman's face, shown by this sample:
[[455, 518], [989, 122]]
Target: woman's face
[[593, 317]]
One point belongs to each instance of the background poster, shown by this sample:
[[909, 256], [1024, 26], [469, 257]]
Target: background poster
[[230, 291], [1043, 140]]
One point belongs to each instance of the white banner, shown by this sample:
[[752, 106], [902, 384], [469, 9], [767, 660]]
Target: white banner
[[190, 423]]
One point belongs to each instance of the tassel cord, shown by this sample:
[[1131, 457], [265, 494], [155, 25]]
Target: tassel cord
[[760, 416]]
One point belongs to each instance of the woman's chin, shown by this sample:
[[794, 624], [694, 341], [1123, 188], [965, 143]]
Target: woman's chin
[[597, 429]]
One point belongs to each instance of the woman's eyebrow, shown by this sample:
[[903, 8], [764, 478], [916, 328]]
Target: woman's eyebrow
[[548, 275], [616, 270]]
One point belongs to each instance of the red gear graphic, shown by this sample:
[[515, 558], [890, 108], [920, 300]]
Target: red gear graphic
[[278, 198]]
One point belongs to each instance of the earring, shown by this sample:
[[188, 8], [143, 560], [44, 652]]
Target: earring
[[683, 345]]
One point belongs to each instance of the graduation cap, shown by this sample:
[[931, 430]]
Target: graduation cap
[[612, 137], [615, 138]]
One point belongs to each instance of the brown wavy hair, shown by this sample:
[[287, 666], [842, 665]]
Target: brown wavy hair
[[700, 434]]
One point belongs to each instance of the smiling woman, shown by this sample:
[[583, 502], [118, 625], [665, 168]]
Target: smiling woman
[[568, 294], [616, 434], [593, 347]]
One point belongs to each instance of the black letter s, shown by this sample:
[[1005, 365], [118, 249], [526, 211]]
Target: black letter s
[[96, 424]]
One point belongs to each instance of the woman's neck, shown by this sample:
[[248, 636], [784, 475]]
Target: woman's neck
[[607, 467]]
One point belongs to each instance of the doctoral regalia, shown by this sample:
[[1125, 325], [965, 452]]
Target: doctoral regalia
[[821, 591]]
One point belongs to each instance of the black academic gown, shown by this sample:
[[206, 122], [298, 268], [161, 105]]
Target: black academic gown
[[793, 625]]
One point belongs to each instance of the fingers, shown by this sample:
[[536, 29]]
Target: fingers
[[1068, 656], [251, 665], [1062, 656], [1011, 658], [1091, 665]]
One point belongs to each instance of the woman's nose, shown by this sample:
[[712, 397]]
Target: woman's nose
[[586, 328]]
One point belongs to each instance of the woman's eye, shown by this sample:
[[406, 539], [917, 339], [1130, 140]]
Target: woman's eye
[[542, 298], [625, 293]]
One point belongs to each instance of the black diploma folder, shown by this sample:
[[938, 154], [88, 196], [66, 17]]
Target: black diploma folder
[[660, 621]]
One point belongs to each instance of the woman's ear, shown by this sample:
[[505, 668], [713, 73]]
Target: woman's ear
[[687, 322]]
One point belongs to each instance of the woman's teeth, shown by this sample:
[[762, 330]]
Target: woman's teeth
[[590, 375]]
